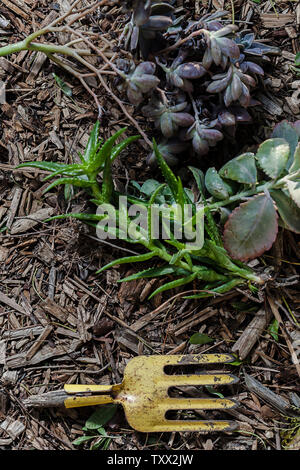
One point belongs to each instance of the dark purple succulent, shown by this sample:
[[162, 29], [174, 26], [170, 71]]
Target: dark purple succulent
[[235, 85], [250, 66], [209, 22], [180, 73], [230, 117], [255, 48], [168, 118], [204, 91], [220, 48], [139, 81], [148, 20], [204, 134]]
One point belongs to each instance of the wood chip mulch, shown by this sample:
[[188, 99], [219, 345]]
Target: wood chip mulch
[[60, 323]]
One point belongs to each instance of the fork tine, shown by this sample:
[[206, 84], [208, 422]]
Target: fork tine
[[194, 426], [194, 359], [197, 404], [199, 379]]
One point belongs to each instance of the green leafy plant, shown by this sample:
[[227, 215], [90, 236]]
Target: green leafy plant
[[259, 190], [98, 157], [200, 338], [296, 66], [273, 329], [94, 428]]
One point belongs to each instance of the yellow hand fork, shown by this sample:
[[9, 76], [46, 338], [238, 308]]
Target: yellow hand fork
[[144, 393]]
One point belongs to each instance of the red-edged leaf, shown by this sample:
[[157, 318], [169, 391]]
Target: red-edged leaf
[[251, 228]]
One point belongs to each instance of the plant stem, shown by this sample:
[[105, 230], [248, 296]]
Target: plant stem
[[46, 48], [245, 194]]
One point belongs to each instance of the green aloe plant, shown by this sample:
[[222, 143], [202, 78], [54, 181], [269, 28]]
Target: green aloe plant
[[97, 158], [257, 190]]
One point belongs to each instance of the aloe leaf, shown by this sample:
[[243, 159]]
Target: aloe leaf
[[181, 197], [135, 200], [174, 284], [70, 170], [120, 147], [211, 227], [47, 166], [107, 184], [168, 174], [156, 272], [149, 210], [220, 256], [74, 181], [241, 169], [228, 286], [285, 130], [128, 259], [93, 143], [251, 228], [289, 212], [106, 150], [216, 186], [184, 253], [79, 216], [272, 156], [178, 256]]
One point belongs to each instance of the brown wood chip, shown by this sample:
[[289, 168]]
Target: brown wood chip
[[273, 20], [251, 334]]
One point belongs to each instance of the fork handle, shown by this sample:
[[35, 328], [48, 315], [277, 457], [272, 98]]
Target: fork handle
[[77, 402], [90, 400], [79, 388]]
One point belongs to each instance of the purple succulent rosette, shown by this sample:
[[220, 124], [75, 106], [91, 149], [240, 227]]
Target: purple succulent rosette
[[168, 118], [179, 74], [215, 67], [140, 80], [235, 84], [203, 134]]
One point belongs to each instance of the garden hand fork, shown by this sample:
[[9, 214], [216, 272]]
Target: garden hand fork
[[144, 393]]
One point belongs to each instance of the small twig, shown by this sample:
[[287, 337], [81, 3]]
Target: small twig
[[104, 84], [80, 78], [284, 334]]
